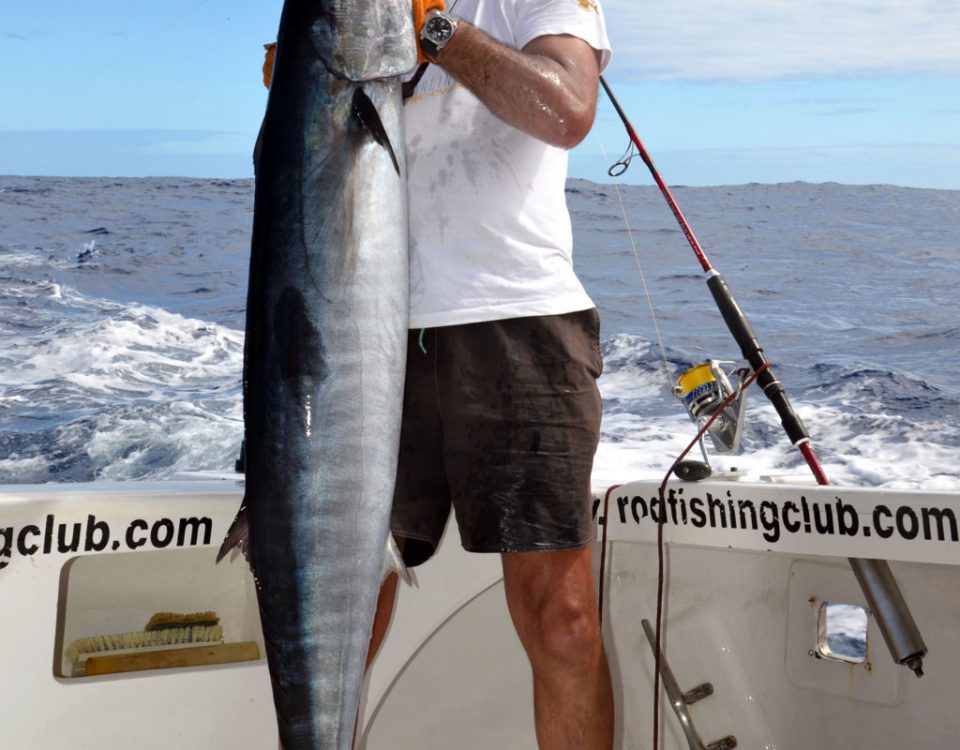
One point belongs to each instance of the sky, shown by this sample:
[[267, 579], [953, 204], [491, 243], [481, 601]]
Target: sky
[[720, 91]]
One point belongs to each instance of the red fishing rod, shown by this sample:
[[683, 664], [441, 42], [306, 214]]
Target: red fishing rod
[[883, 595], [733, 316]]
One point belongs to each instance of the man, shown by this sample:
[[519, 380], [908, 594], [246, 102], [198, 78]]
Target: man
[[501, 411]]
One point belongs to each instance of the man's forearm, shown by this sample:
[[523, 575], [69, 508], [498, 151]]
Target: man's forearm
[[548, 90]]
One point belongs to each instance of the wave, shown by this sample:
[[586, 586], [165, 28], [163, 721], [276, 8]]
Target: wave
[[111, 391], [121, 300]]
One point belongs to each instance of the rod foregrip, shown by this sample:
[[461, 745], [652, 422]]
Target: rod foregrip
[[751, 350]]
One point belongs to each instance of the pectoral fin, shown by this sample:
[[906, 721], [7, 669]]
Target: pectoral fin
[[366, 116], [393, 563]]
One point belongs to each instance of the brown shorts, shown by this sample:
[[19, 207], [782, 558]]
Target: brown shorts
[[500, 421]]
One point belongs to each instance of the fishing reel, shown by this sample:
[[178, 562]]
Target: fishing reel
[[706, 392]]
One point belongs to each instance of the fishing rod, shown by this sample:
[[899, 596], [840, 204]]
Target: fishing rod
[[883, 595], [733, 316]]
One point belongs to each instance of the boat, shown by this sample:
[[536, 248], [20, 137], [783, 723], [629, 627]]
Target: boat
[[768, 640], [758, 643]]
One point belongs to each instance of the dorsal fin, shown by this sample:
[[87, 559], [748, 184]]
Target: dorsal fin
[[238, 535]]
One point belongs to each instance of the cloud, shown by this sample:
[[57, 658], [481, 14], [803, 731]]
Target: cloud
[[755, 40]]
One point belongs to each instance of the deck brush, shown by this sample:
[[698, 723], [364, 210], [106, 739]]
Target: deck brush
[[174, 620], [163, 630]]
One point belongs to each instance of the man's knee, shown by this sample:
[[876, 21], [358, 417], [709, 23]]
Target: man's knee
[[569, 628], [552, 602]]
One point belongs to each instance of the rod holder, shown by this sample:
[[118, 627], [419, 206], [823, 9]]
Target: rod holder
[[888, 606]]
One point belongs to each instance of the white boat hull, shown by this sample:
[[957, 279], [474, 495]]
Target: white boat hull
[[741, 614]]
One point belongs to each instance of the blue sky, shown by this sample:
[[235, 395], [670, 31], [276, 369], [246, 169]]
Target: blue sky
[[721, 91]]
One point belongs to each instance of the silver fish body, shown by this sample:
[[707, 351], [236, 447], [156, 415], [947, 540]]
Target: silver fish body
[[327, 313]]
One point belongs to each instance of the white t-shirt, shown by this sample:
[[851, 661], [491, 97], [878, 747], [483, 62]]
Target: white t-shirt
[[490, 235]]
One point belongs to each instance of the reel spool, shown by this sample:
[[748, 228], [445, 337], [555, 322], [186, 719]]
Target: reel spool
[[702, 390]]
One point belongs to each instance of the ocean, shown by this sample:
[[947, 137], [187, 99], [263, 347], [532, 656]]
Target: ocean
[[122, 308]]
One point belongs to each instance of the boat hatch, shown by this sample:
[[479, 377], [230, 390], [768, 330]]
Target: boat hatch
[[828, 629], [136, 611]]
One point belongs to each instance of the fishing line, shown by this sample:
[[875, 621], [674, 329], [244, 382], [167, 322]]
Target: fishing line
[[78, 88], [603, 549], [636, 258]]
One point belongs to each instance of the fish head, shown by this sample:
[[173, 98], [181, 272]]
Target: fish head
[[362, 41]]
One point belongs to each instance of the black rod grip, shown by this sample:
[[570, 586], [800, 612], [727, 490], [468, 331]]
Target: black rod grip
[[751, 350]]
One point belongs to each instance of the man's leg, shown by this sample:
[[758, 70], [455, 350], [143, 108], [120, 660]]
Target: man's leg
[[381, 622], [552, 600], [384, 613]]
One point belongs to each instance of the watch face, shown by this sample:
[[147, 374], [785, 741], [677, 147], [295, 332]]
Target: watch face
[[439, 29]]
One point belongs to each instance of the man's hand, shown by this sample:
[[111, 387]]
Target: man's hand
[[271, 52], [420, 8]]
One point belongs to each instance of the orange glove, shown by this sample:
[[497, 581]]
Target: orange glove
[[420, 8], [268, 62]]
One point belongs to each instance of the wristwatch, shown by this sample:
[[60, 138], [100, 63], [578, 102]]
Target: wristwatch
[[436, 32]]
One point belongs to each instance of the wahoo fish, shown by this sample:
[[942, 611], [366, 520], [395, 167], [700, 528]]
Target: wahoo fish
[[326, 332]]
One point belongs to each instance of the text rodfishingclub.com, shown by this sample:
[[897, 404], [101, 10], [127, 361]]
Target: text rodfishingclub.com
[[774, 519], [768, 518], [95, 535]]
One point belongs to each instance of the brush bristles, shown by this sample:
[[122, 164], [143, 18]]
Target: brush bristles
[[167, 620], [143, 639]]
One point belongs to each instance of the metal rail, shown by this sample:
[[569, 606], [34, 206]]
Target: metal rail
[[680, 700]]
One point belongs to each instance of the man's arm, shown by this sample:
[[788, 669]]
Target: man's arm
[[548, 89]]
